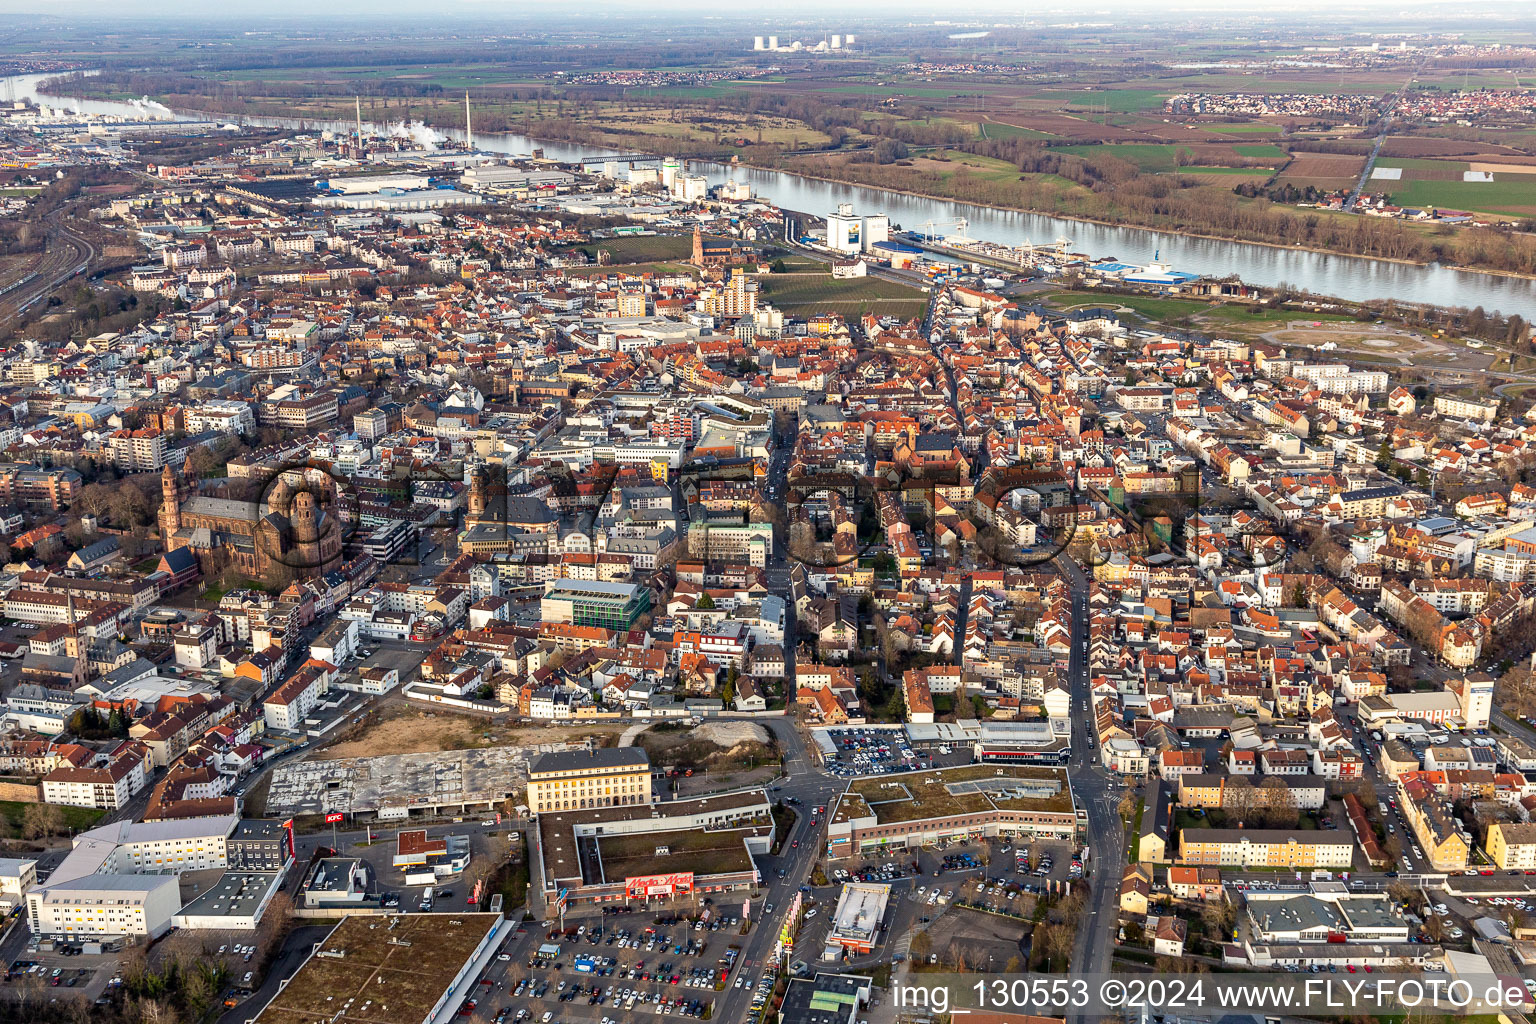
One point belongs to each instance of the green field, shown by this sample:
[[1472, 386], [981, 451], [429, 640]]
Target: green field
[[644, 248], [1161, 157], [1245, 128], [1509, 196], [809, 294], [1156, 308], [1122, 101], [1148, 306]]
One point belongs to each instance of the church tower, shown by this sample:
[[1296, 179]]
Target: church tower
[[479, 493], [170, 505], [698, 247]]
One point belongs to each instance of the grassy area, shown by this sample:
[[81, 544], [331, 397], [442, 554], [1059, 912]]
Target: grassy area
[[1245, 128], [1154, 157], [1148, 306], [1235, 313], [783, 822], [76, 819], [1508, 194], [20, 190], [1133, 848], [1121, 101], [1157, 308], [643, 248], [632, 269], [820, 293], [215, 591], [511, 880]]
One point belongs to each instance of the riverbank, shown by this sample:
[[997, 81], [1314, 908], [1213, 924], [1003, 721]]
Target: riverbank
[[746, 159], [1361, 279], [1298, 247], [775, 163]]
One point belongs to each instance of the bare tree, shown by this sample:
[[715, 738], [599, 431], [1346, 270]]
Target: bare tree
[[41, 820]]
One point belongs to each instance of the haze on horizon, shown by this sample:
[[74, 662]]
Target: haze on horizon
[[265, 11]]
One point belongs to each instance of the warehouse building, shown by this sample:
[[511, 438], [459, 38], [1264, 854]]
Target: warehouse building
[[403, 968]]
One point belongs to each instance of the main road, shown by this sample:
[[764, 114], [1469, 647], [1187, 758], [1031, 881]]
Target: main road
[[1095, 791]]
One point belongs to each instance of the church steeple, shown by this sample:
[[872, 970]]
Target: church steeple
[[170, 504]]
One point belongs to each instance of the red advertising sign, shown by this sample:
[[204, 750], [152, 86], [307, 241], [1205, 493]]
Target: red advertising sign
[[643, 886], [333, 817]]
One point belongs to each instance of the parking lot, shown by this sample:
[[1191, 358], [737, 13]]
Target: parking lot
[[86, 977], [611, 966], [872, 751]]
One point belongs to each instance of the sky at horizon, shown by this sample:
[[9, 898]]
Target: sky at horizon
[[523, 11]]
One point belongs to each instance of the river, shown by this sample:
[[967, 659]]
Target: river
[[1354, 278]]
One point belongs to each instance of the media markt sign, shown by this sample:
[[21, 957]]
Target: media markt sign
[[649, 886]]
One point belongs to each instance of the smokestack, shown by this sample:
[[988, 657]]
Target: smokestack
[[469, 135], [359, 101]]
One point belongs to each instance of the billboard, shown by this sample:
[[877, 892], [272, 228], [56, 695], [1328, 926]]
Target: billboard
[[646, 886], [333, 817]]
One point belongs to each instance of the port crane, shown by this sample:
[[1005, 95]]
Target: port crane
[[936, 230]]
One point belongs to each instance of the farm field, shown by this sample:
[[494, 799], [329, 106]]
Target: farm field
[[1242, 128], [1511, 196], [1157, 158], [1321, 171], [1119, 100]]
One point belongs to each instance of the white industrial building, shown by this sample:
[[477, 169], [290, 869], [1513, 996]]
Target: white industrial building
[[122, 879], [105, 906], [850, 232], [377, 183], [18, 875]]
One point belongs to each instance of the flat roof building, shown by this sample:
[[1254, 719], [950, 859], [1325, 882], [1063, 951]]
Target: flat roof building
[[104, 906], [399, 969], [856, 923], [581, 779], [593, 603]]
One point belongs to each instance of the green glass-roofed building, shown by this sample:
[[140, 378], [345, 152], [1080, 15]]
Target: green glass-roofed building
[[826, 999], [590, 603]]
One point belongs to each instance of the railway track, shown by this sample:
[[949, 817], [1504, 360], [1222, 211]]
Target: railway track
[[66, 254]]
